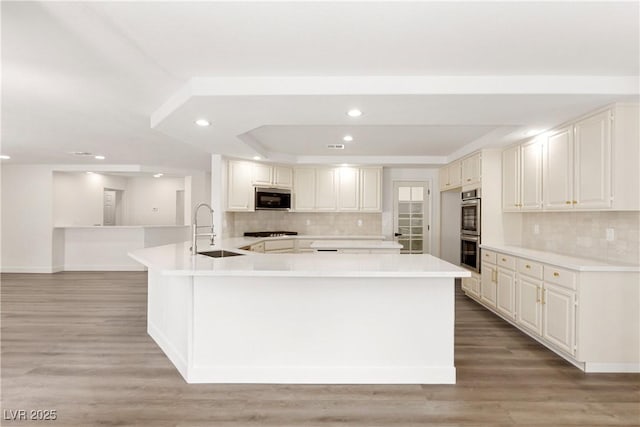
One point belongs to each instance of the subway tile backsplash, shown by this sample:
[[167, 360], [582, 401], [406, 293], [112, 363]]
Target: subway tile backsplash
[[584, 234], [320, 223]]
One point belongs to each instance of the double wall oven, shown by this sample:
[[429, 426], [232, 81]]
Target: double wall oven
[[470, 230]]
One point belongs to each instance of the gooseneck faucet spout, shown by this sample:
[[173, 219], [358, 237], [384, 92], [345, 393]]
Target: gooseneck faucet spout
[[194, 229]]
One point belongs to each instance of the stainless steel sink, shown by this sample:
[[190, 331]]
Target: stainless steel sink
[[220, 254]]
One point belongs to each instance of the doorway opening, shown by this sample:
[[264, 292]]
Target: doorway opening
[[112, 207], [411, 216]]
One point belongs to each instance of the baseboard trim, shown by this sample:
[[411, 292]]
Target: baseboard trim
[[38, 270], [103, 268], [611, 368]]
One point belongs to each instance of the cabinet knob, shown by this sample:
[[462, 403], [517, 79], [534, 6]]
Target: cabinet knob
[[504, 259], [468, 179], [556, 274], [527, 266]]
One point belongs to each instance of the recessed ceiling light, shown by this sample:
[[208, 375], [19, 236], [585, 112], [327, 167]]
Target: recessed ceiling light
[[344, 165], [158, 175], [4, 157], [347, 138], [99, 157], [354, 112], [256, 157], [203, 122], [90, 173]]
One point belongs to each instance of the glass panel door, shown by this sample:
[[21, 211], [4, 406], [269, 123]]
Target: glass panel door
[[410, 208]]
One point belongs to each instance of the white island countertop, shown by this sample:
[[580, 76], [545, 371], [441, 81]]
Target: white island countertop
[[176, 260], [356, 244]]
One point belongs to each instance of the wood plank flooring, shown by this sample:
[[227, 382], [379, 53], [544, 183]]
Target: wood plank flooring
[[77, 343]]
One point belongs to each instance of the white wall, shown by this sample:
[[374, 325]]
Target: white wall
[[27, 242], [78, 197], [411, 174], [152, 201]]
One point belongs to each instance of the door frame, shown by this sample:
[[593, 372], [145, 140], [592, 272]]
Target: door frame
[[427, 232]]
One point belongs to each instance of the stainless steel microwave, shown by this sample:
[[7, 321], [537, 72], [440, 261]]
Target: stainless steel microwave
[[273, 199]]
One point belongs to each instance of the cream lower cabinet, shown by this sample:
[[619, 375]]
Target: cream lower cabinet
[[558, 312], [471, 285], [588, 316], [488, 284]]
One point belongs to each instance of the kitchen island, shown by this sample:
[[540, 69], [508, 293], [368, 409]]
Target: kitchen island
[[303, 318]]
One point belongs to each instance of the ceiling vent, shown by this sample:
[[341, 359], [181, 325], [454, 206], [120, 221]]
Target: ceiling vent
[[81, 153], [335, 146]]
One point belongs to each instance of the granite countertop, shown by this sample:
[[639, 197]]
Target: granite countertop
[[559, 260]]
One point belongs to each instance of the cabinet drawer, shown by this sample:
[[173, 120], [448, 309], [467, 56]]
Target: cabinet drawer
[[488, 256], [506, 261], [305, 244], [257, 247], [277, 245], [560, 276], [530, 268]]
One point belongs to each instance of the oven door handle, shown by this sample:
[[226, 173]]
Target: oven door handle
[[469, 238]]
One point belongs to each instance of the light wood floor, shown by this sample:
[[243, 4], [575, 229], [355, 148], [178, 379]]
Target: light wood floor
[[77, 343]]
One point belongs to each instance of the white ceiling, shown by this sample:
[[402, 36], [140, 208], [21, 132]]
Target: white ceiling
[[127, 79]]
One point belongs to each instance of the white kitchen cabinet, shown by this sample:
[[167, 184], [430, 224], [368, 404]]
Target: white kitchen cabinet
[[272, 176], [529, 307], [592, 162], [506, 292], [304, 187], [348, 189], [451, 176], [471, 170], [557, 169], [240, 193], [371, 189], [326, 189], [531, 175], [279, 246], [559, 317], [511, 179], [488, 284], [472, 284]]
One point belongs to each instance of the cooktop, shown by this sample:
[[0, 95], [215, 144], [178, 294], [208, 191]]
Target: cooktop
[[270, 233]]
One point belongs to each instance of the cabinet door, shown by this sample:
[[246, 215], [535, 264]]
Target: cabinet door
[[240, 196], [511, 179], [348, 189], [592, 162], [326, 189], [471, 170], [371, 189], [488, 284], [455, 174], [471, 285], [506, 292], [529, 307], [304, 189], [531, 176], [557, 167], [261, 174], [282, 177], [443, 176], [559, 317]]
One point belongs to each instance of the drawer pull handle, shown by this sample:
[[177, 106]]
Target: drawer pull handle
[[468, 179], [556, 274], [568, 202], [527, 266]]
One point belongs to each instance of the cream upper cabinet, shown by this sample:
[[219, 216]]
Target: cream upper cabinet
[[471, 171], [240, 193], [304, 185], [557, 167], [269, 175], [371, 189], [451, 176], [592, 162], [326, 189], [348, 189], [511, 179], [531, 175], [282, 176]]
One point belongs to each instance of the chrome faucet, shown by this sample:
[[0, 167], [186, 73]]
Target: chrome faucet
[[194, 228]]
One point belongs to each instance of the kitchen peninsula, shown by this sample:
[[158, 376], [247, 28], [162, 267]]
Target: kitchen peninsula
[[303, 318]]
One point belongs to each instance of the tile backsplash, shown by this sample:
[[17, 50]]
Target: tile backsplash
[[329, 223], [584, 234]]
